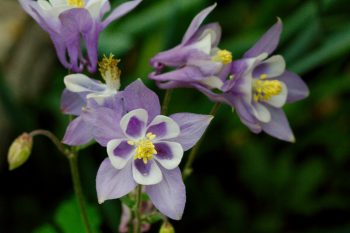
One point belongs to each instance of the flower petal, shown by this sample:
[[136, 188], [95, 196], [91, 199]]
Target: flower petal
[[261, 113], [120, 11], [278, 126], [134, 123], [169, 154], [272, 67], [81, 83], [78, 132], [196, 22], [163, 127], [137, 95], [185, 74], [146, 174], [169, 196], [119, 152], [72, 103], [192, 126], [112, 183], [268, 42], [279, 100], [297, 89]]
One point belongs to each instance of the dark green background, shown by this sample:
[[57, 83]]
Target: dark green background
[[241, 182]]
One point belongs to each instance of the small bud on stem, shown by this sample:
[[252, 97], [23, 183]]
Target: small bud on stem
[[20, 150]]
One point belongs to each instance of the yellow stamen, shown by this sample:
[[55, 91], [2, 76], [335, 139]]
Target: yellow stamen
[[223, 56], [76, 3], [145, 149], [265, 89], [110, 72]]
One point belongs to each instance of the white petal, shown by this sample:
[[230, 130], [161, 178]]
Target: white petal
[[169, 157], [153, 177], [133, 124], [118, 161], [213, 82], [45, 5], [204, 44], [261, 112], [100, 97], [82, 83], [55, 3], [275, 65], [279, 100], [94, 7], [163, 127]]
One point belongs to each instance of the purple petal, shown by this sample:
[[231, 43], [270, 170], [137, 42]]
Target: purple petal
[[146, 174], [297, 89], [169, 154], [186, 74], [192, 127], [119, 152], [72, 103], [278, 127], [196, 22], [134, 123], [268, 42], [120, 11], [105, 123], [78, 132], [137, 95], [215, 30], [112, 183], [163, 127], [169, 196]]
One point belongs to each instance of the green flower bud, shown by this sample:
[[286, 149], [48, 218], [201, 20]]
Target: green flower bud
[[20, 150], [166, 228]]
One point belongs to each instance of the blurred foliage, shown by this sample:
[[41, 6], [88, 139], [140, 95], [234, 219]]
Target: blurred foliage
[[241, 182]]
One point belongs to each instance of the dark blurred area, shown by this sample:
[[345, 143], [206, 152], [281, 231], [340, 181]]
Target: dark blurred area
[[241, 182]]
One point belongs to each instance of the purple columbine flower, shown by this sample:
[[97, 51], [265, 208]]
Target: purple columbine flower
[[198, 61], [83, 93], [260, 85], [69, 22], [145, 148]]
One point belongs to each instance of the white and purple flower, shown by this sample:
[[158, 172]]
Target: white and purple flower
[[198, 61], [260, 85], [69, 22], [145, 148]]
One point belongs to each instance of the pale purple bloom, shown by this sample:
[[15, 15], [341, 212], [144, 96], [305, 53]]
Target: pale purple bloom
[[69, 22], [145, 148], [197, 60], [259, 86]]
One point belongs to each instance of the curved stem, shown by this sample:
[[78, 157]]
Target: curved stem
[[73, 162], [188, 166], [72, 156], [137, 226], [166, 101]]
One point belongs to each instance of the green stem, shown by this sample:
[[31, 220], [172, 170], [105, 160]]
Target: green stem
[[137, 226], [166, 101], [72, 156], [188, 166], [73, 162]]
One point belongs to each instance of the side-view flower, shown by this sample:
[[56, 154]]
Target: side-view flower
[[69, 22], [145, 148]]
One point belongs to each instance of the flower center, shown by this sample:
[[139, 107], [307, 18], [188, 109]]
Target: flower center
[[76, 3], [145, 149], [265, 89], [110, 72], [224, 56]]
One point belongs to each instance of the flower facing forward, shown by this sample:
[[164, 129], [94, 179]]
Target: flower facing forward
[[260, 85], [69, 22], [83, 93], [198, 61], [145, 148]]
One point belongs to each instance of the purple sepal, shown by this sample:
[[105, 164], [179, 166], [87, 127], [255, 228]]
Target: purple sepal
[[192, 126], [169, 196], [72, 103], [78, 132], [112, 183], [297, 89]]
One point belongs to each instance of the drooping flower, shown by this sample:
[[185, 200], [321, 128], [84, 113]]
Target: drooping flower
[[260, 85], [83, 93], [69, 22], [145, 148], [197, 60]]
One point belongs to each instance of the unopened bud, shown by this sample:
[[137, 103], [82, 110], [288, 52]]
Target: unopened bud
[[166, 228], [20, 150]]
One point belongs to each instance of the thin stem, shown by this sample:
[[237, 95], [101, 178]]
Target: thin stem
[[64, 150], [73, 162], [188, 166], [72, 156], [166, 101], [137, 226]]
